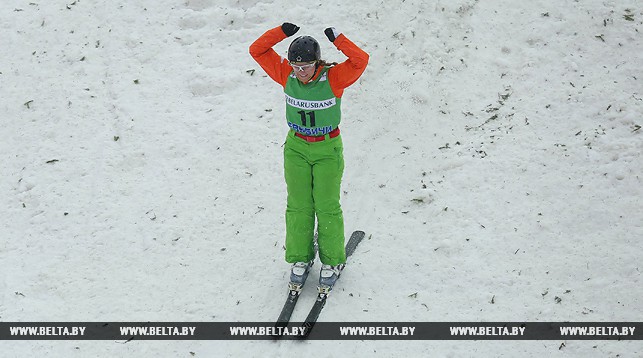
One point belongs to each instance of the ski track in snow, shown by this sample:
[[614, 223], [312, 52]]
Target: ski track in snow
[[493, 157]]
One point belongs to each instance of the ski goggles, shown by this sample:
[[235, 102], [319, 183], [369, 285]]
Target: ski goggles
[[304, 67]]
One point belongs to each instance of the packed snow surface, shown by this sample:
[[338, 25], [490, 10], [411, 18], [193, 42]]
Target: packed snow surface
[[493, 157]]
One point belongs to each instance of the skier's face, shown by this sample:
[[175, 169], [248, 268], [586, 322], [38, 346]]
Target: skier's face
[[303, 70]]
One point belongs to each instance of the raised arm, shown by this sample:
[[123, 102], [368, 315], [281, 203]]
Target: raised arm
[[262, 51], [347, 72]]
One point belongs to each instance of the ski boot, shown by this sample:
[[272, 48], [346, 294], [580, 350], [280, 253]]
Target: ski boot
[[298, 275], [328, 276]]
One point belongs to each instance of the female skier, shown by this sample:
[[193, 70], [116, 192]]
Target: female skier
[[313, 152]]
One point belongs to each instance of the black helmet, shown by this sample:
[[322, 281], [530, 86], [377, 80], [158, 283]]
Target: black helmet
[[304, 49]]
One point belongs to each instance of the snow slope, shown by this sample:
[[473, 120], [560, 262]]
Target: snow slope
[[493, 155]]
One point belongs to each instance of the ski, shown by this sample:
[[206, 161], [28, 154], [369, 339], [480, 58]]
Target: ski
[[289, 306], [324, 291], [294, 290]]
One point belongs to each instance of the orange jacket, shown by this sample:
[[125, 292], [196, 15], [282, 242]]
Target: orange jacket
[[278, 68]]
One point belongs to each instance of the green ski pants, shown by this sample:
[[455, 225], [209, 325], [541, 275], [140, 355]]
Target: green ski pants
[[313, 172]]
